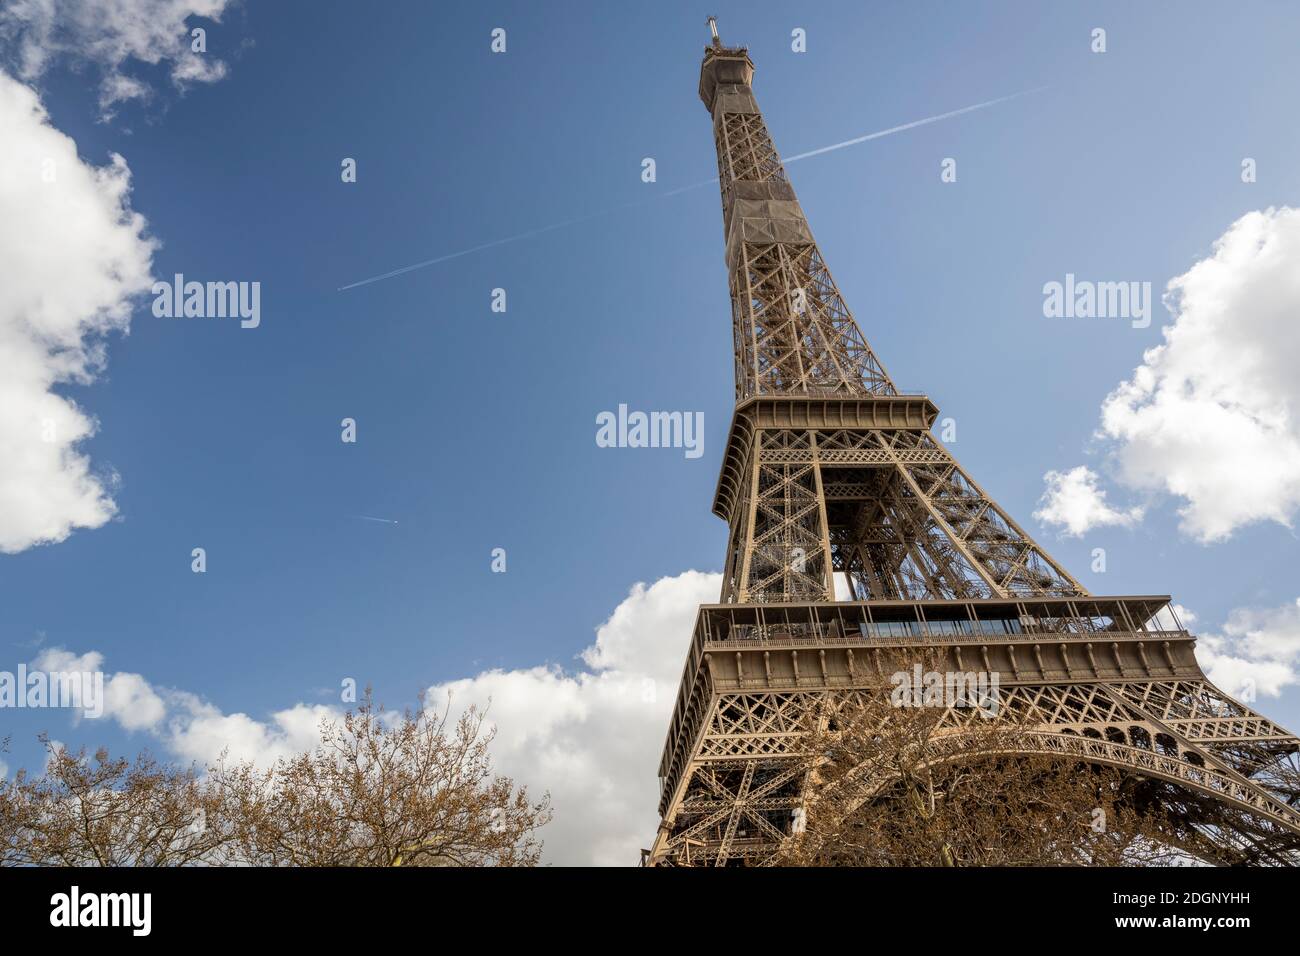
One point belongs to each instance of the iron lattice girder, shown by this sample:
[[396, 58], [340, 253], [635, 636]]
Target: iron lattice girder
[[793, 332], [830, 415], [947, 537], [1231, 816], [1174, 761], [829, 469], [841, 643], [1105, 679], [1079, 722]]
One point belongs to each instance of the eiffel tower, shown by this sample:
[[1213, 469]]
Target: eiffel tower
[[829, 469]]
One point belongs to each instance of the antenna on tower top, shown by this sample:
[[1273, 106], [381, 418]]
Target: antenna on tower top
[[713, 28]]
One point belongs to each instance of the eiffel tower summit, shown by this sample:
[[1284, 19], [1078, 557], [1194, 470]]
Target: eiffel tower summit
[[830, 470]]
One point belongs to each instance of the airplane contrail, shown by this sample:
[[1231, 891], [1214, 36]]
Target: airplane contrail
[[938, 117], [913, 125], [371, 518], [876, 135], [488, 245]]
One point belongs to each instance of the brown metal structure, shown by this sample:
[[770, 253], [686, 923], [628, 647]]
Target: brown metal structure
[[828, 470]]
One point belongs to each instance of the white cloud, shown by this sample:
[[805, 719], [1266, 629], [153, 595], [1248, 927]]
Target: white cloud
[[189, 727], [109, 34], [128, 698], [197, 731], [594, 738], [1073, 501], [591, 737], [74, 254], [1259, 651], [1212, 416]]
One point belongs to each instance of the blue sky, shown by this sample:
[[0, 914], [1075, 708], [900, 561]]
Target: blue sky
[[476, 429]]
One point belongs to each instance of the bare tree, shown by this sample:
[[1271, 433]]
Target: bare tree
[[105, 811], [384, 789], [934, 785], [381, 789]]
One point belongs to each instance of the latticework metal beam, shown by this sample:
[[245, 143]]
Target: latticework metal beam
[[830, 470]]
